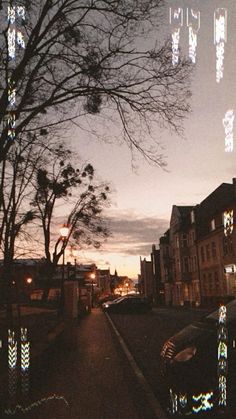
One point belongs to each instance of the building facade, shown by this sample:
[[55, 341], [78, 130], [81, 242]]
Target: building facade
[[198, 252]]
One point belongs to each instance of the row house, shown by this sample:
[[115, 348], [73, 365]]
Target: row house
[[197, 253]]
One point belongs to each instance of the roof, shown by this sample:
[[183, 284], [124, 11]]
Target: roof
[[184, 210], [218, 200]]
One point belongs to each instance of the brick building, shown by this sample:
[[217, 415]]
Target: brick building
[[198, 252]]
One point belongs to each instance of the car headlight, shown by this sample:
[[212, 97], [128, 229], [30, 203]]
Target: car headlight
[[186, 354], [106, 305]]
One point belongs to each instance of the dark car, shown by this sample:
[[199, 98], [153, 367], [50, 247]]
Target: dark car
[[129, 304], [198, 378]]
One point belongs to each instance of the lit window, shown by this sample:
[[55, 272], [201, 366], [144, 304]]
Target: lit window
[[213, 224]]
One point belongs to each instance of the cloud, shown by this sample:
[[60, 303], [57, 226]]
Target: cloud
[[134, 234]]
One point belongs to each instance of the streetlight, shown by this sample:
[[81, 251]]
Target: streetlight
[[92, 276], [64, 231], [29, 280]]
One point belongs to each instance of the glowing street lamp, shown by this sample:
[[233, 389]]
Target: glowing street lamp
[[92, 276], [64, 231], [29, 281]]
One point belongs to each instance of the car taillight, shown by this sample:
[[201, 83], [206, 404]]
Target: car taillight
[[168, 350]]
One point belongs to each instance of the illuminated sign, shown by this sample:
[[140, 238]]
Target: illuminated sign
[[228, 222], [220, 37], [228, 123]]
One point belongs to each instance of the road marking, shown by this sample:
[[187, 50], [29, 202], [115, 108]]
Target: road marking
[[153, 402]]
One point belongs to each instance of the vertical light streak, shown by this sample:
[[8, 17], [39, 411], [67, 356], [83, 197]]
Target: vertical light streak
[[12, 364], [228, 222], [228, 124], [12, 350], [174, 402], [25, 350], [222, 357], [220, 38], [176, 20], [193, 23], [25, 361], [14, 37]]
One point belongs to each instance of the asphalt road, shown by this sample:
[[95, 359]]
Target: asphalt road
[[145, 334]]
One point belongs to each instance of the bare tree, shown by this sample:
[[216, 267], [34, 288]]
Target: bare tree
[[36, 178], [88, 57], [62, 184], [16, 175]]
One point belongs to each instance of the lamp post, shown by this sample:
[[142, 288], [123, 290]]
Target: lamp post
[[92, 276], [64, 231]]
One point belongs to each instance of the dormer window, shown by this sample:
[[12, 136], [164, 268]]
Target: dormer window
[[213, 224], [192, 215]]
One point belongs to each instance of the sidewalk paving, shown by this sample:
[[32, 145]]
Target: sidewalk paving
[[89, 371]]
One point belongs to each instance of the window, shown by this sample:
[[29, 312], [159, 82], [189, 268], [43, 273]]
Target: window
[[213, 224], [185, 244], [227, 245], [213, 249], [208, 252], [202, 254], [217, 282], [177, 241], [185, 264], [193, 236], [210, 282], [192, 215]]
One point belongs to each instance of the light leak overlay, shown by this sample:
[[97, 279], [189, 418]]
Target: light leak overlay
[[15, 17], [176, 20], [222, 357]]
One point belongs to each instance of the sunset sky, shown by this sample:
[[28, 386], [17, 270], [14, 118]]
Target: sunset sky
[[142, 195]]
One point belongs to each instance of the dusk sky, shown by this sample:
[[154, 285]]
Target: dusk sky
[[143, 196]]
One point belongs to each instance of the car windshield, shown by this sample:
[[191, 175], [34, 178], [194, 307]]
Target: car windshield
[[230, 313]]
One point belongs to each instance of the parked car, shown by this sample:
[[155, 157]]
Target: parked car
[[110, 297], [190, 363], [128, 304]]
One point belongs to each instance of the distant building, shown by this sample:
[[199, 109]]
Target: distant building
[[158, 286], [146, 278]]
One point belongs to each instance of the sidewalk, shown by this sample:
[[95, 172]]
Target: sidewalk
[[91, 374]]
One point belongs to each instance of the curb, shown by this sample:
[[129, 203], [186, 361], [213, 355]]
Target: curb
[[151, 398]]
